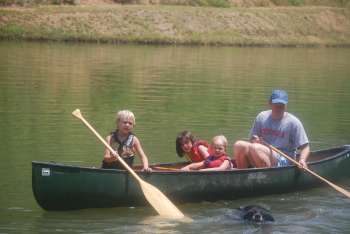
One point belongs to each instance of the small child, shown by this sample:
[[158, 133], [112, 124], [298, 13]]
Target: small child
[[194, 150], [217, 161], [125, 143]]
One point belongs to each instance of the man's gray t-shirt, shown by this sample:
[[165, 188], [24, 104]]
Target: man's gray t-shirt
[[286, 134]]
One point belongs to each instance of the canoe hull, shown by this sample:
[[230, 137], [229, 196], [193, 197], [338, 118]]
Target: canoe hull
[[63, 187]]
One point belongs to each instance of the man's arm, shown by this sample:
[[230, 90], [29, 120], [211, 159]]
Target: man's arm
[[304, 154]]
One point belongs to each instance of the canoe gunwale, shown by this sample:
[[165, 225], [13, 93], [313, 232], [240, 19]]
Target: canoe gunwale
[[346, 149]]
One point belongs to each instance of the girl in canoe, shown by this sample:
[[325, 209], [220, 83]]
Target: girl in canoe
[[125, 143], [216, 161], [194, 150]]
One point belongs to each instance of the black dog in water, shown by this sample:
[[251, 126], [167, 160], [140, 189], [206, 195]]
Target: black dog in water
[[255, 214]]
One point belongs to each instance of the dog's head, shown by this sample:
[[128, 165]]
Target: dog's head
[[256, 214]]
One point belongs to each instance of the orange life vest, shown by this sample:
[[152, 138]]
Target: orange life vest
[[195, 154], [213, 161]]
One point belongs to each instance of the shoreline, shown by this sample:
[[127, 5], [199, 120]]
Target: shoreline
[[179, 25]]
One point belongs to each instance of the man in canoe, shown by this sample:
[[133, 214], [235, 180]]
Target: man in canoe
[[278, 128]]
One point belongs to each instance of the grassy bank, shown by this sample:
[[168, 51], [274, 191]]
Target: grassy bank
[[213, 3], [268, 26]]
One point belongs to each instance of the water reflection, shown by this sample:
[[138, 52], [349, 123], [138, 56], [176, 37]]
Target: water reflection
[[209, 90], [158, 224]]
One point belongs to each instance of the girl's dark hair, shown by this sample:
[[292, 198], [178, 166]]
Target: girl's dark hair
[[180, 139]]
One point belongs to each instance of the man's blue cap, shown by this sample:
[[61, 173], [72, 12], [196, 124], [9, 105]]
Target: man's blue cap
[[279, 96]]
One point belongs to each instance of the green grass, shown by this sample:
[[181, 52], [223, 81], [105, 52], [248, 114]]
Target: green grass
[[12, 31], [296, 2], [211, 3]]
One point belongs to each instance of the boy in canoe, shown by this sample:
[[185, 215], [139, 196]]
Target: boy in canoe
[[125, 143], [218, 160], [277, 127]]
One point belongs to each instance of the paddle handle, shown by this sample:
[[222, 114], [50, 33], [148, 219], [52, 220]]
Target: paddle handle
[[78, 114], [336, 187]]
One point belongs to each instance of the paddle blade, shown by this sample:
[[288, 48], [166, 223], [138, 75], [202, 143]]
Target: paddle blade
[[160, 202], [77, 114]]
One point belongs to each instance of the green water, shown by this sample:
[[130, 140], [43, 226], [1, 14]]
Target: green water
[[208, 90]]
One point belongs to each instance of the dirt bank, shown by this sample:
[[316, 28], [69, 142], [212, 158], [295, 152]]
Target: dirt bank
[[159, 24]]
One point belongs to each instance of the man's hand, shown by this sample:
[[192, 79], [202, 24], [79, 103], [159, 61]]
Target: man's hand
[[302, 164], [148, 169], [304, 154], [255, 139]]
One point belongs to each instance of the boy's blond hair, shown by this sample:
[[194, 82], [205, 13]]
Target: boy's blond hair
[[221, 138], [126, 114]]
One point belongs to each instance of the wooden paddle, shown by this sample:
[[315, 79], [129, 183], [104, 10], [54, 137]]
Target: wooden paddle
[[336, 187], [154, 196], [166, 168]]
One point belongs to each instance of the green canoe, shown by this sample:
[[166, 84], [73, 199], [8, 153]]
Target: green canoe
[[62, 187]]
